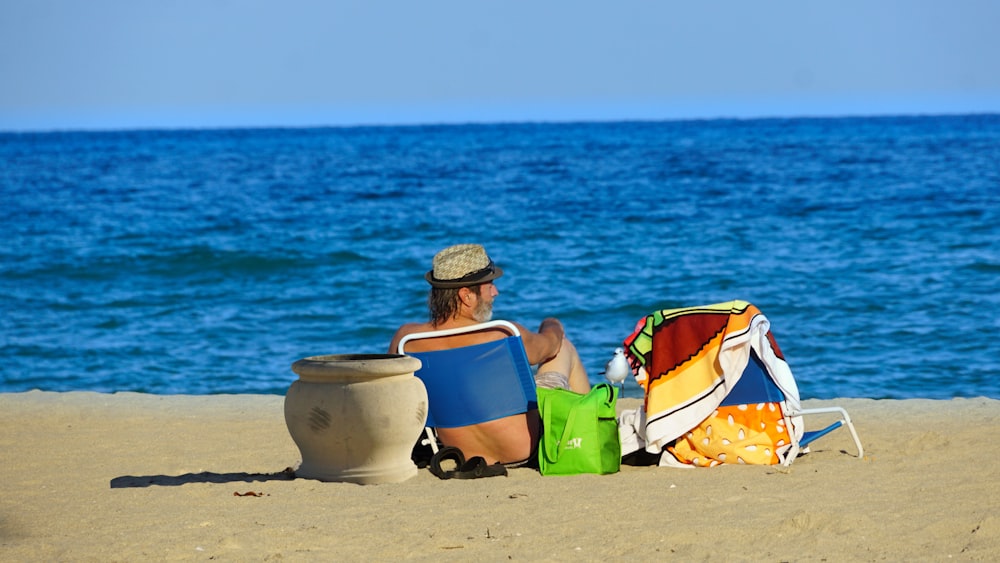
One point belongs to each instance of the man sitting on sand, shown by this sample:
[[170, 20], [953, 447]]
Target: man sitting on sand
[[462, 294]]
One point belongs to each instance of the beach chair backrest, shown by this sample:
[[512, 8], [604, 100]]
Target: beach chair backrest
[[477, 383]]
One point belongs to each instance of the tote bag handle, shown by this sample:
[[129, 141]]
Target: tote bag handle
[[550, 455]]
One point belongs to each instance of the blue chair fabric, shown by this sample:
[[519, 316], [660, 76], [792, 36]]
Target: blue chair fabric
[[477, 383]]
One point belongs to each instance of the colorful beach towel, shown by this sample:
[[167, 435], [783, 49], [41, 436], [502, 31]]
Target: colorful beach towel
[[687, 361]]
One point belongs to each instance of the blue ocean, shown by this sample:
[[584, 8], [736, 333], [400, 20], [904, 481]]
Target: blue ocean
[[207, 261]]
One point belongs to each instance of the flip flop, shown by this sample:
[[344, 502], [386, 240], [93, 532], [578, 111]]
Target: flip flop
[[476, 468], [445, 453]]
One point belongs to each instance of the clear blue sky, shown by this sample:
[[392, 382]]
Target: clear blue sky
[[99, 64]]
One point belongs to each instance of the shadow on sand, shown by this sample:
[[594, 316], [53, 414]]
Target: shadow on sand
[[127, 481]]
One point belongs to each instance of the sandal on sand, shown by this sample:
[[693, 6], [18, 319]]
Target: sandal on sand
[[446, 453], [476, 468]]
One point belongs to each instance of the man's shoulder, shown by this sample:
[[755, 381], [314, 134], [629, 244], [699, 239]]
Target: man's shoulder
[[410, 328], [406, 329]]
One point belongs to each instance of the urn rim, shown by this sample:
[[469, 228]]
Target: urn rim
[[355, 366]]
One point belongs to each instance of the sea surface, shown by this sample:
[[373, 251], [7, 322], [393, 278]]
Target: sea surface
[[207, 261]]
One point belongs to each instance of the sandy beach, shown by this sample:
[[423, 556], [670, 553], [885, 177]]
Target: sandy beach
[[130, 477]]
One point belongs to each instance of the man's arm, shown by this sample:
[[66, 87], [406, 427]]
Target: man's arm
[[543, 345]]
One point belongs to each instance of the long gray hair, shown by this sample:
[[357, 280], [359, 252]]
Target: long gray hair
[[443, 304]]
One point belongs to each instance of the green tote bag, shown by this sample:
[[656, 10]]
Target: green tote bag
[[579, 432]]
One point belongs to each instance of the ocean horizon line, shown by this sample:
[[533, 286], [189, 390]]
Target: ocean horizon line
[[445, 123]]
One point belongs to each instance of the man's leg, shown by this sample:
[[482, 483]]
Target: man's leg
[[567, 363]]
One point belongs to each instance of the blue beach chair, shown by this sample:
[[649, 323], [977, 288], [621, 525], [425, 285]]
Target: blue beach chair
[[474, 384], [755, 386]]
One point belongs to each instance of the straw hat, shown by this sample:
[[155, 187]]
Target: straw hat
[[462, 265]]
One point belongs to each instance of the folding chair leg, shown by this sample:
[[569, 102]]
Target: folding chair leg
[[430, 439], [845, 419]]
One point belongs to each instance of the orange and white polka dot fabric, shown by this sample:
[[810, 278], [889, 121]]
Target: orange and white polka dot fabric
[[742, 434]]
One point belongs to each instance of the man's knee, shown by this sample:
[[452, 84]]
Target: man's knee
[[567, 348]]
